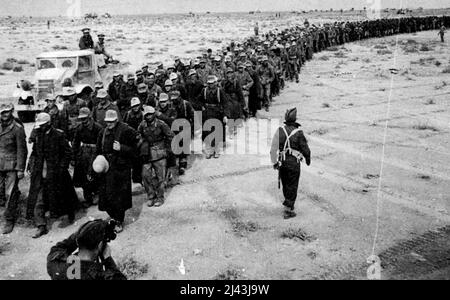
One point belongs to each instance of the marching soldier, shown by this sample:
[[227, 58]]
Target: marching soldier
[[103, 106], [13, 156], [246, 81], [442, 33], [214, 103], [51, 187], [134, 118], [84, 149], [117, 143], [71, 109], [116, 87], [184, 110], [289, 147], [155, 136]]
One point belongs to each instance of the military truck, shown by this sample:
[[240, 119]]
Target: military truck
[[53, 69]]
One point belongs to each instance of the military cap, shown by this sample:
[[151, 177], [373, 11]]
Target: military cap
[[173, 76], [163, 97], [174, 94], [84, 113], [6, 107], [192, 72], [230, 70], [139, 73], [84, 30], [211, 79], [149, 110], [111, 116], [130, 77], [100, 165], [41, 119], [91, 234], [98, 84], [142, 88], [68, 91], [168, 82], [135, 102], [102, 93], [291, 115], [101, 36]]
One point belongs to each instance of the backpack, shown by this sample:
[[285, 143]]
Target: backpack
[[287, 146]]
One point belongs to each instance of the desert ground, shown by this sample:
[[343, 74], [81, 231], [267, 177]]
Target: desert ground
[[224, 220]]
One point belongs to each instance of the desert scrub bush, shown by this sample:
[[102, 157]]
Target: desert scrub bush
[[18, 69], [320, 131], [430, 102], [446, 70], [437, 63], [384, 52], [424, 126], [58, 47], [325, 105], [410, 49], [425, 48], [23, 62], [380, 46], [332, 49], [297, 234], [324, 57], [132, 269], [231, 273], [340, 54], [8, 66]]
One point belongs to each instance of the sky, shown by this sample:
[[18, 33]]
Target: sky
[[73, 8]]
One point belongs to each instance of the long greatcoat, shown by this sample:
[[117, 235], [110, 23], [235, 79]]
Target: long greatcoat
[[236, 100], [115, 186], [59, 194]]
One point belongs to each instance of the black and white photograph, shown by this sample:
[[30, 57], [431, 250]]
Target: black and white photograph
[[226, 146]]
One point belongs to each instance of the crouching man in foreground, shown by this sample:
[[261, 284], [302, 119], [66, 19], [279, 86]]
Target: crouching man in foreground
[[93, 259]]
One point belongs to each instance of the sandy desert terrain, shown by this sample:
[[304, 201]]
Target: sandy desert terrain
[[225, 218]]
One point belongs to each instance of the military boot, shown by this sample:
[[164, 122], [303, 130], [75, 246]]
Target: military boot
[[289, 213], [42, 230], [8, 228]]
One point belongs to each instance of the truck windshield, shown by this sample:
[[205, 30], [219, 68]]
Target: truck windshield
[[45, 63], [52, 63]]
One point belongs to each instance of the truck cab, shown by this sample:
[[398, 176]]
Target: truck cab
[[52, 69]]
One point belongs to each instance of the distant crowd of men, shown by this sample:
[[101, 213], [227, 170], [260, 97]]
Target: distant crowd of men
[[123, 132]]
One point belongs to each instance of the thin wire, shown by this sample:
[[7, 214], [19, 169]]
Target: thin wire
[[388, 111]]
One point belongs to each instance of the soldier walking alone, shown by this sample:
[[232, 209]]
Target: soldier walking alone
[[289, 147]]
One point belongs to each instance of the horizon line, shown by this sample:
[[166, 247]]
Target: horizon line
[[223, 12]]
